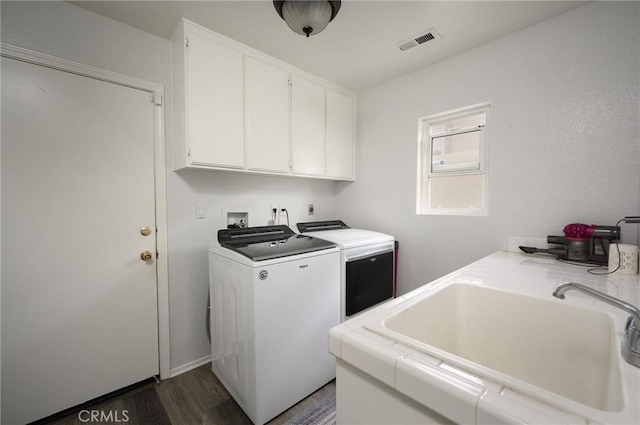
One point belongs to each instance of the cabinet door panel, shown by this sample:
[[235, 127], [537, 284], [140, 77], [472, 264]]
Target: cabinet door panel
[[267, 116], [307, 127], [215, 106], [340, 144]]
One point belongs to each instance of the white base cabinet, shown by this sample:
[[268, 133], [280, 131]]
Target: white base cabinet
[[237, 109], [363, 400]]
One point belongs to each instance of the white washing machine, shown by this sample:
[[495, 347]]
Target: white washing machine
[[367, 264], [274, 296]]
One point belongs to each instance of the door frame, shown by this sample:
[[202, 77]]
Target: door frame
[[156, 93]]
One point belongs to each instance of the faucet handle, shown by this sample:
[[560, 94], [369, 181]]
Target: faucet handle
[[631, 343], [630, 324]]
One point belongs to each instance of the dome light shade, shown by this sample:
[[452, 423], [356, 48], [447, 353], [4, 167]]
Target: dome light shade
[[307, 17]]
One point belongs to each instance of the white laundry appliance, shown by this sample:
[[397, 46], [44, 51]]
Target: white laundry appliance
[[274, 296], [367, 264]]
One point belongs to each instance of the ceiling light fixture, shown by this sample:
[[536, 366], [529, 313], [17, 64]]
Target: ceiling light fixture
[[307, 17]]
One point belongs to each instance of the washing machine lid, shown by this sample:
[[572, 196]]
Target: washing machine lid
[[339, 233], [269, 242]]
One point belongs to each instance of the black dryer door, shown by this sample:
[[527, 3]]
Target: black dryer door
[[369, 281]]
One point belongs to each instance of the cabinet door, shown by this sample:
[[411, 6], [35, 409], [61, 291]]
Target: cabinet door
[[267, 116], [340, 141], [215, 103], [307, 127]]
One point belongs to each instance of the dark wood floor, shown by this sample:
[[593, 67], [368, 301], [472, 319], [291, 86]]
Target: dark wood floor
[[194, 398]]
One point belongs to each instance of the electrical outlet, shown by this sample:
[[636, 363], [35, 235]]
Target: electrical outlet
[[282, 209], [273, 210], [311, 209]]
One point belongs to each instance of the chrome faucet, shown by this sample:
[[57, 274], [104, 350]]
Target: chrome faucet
[[631, 343]]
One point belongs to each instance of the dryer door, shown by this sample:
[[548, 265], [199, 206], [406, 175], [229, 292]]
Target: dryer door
[[369, 280]]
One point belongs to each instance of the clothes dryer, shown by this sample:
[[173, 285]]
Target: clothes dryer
[[367, 264]]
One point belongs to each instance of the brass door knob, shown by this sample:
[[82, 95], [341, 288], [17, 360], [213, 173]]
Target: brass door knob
[[146, 255]]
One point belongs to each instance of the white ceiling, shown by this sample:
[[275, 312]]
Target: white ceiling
[[358, 49]]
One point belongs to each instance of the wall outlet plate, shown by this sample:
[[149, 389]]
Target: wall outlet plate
[[201, 210]]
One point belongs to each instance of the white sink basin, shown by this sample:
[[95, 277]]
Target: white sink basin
[[518, 341]]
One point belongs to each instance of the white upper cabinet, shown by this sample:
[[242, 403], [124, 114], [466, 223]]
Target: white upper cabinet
[[307, 127], [267, 116], [340, 135], [213, 122], [237, 109]]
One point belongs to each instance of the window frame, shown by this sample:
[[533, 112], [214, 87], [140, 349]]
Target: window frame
[[465, 130], [425, 155]]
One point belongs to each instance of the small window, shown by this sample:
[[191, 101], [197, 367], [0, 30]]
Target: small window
[[453, 163]]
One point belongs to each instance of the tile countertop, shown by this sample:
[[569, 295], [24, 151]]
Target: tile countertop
[[533, 275]]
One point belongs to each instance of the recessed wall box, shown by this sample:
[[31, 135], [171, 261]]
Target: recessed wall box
[[236, 219]]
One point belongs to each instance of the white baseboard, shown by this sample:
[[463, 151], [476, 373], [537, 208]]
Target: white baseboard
[[191, 365]]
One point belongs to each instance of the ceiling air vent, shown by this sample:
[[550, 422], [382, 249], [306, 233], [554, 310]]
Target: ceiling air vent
[[419, 39]]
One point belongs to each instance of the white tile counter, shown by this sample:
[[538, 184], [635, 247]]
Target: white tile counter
[[381, 379]]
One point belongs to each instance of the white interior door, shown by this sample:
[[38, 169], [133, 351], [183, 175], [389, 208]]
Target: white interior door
[[79, 305]]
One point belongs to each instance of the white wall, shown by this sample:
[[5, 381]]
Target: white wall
[[190, 237], [70, 32], [565, 143]]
